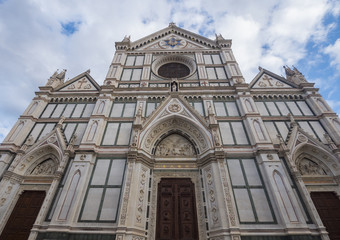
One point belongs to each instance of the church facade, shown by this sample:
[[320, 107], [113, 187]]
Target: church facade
[[174, 145]]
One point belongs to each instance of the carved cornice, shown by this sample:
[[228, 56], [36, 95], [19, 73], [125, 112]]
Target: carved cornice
[[11, 176]]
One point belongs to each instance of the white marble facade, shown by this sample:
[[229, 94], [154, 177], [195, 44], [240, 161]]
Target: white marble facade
[[254, 151]]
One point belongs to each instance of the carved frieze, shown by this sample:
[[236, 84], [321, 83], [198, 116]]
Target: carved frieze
[[175, 145], [171, 124], [47, 167], [308, 167]]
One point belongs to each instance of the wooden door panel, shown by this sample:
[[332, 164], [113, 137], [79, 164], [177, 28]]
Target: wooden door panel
[[176, 210], [328, 207], [23, 216]]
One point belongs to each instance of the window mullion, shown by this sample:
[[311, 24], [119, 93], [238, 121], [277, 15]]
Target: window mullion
[[62, 112], [117, 134], [226, 109], [249, 192], [298, 106], [278, 109], [104, 191]]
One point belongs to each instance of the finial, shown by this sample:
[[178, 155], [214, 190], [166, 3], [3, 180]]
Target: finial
[[172, 24], [260, 68], [126, 38], [219, 37]]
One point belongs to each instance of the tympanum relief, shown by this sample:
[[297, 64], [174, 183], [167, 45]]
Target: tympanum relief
[[45, 168], [308, 167], [175, 145]]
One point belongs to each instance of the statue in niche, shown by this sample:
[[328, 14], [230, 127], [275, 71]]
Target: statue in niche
[[175, 145], [45, 168], [308, 167], [174, 86]]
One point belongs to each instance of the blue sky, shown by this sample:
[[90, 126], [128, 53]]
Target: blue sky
[[37, 37]]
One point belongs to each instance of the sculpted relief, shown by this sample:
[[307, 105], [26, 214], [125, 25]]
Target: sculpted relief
[[45, 168], [308, 167], [175, 145]]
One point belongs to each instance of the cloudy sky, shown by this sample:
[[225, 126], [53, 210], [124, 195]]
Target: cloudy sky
[[39, 36]]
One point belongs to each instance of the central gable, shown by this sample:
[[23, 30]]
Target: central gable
[[172, 38], [174, 42]]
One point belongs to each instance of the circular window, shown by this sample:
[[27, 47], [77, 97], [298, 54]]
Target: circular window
[[173, 70], [174, 66]]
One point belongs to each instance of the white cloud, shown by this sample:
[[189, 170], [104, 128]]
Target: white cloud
[[333, 50], [269, 33]]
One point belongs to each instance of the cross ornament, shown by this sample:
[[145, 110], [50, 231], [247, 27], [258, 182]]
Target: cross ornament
[[266, 78], [82, 82]]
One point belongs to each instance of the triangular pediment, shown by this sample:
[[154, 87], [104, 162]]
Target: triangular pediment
[[311, 157], [173, 38], [297, 137], [82, 82], [55, 137], [174, 42], [268, 80], [175, 105], [175, 116]]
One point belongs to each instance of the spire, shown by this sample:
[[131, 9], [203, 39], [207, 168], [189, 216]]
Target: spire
[[219, 37], [126, 38], [294, 75], [56, 79], [61, 75]]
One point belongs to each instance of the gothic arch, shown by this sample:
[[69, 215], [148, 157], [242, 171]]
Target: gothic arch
[[47, 165], [153, 134], [318, 156], [38, 156]]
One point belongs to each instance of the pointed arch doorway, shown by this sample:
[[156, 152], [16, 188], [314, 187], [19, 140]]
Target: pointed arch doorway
[[176, 210]]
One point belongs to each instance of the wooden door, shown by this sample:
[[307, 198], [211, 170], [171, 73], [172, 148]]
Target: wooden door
[[328, 207], [23, 216], [176, 210]]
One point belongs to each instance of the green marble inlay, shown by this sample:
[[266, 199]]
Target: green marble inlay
[[74, 236]]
